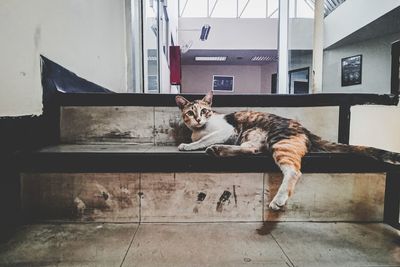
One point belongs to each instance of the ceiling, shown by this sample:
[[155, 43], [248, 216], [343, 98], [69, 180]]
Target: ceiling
[[386, 25], [234, 57]]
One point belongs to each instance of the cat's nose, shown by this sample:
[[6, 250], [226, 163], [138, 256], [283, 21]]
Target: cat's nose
[[198, 120]]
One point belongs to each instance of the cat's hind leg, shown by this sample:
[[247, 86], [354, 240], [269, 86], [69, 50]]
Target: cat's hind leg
[[287, 154], [290, 177]]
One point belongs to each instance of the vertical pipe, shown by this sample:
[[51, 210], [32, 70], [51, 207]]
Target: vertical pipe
[[136, 45], [159, 47], [283, 47], [318, 46]]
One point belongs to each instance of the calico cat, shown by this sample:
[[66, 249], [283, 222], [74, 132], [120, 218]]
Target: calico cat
[[250, 132]]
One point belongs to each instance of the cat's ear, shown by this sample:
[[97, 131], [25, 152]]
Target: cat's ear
[[208, 98], [181, 101]]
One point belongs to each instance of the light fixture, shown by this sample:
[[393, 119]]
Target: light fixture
[[264, 58], [221, 58], [205, 30]]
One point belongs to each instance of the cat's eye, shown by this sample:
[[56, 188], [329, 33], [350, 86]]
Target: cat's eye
[[203, 111], [190, 113]]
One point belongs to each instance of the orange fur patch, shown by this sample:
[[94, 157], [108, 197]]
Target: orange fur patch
[[290, 151]]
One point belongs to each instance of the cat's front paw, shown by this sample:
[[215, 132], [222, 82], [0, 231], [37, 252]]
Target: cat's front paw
[[183, 147], [213, 151]]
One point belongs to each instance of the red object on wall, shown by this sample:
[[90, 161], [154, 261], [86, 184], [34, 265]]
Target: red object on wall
[[175, 65]]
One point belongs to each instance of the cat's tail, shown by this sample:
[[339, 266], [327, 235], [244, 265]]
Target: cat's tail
[[319, 145]]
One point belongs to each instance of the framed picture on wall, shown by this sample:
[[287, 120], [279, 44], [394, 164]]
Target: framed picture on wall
[[223, 83], [351, 70]]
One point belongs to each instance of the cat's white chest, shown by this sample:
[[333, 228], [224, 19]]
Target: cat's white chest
[[215, 123]]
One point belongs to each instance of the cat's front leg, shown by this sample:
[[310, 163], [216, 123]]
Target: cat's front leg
[[184, 147], [217, 137]]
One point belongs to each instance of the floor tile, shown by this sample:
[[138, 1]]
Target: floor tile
[[211, 244], [68, 245], [339, 244]]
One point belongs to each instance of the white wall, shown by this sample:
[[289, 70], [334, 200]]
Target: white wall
[[266, 73], [352, 15], [248, 79], [232, 33], [87, 37], [376, 62], [376, 126]]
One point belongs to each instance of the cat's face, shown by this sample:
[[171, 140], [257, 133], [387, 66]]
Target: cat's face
[[195, 114]]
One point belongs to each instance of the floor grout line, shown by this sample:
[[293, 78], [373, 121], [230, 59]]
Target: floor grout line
[[130, 245], [140, 197], [283, 251]]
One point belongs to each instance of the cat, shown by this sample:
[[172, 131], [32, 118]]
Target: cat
[[251, 132]]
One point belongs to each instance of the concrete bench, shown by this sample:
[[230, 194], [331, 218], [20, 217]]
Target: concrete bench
[[116, 160], [113, 158]]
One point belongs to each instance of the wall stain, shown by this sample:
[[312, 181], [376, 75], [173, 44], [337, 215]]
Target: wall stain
[[105, 195], [195, 210], [234, 195], [118, 134], [201, 196], [80, 206], [223, 198], [37, 36]]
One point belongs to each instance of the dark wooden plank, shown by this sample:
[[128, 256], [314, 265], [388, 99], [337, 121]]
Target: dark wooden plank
[[392, 200], [170, 161], [166, 100]]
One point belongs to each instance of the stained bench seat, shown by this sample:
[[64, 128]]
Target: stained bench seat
[[150, 158]]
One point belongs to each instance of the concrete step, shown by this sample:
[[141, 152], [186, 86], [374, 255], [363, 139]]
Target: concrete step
[[199, 197]]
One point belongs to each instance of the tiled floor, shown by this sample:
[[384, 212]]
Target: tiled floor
[[203, 244]]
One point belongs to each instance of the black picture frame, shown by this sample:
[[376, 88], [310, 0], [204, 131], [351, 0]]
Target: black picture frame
[[351, 70], [223, 83]]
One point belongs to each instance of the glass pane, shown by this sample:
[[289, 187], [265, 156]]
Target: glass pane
[[150, 49], [225, 9], [182, 6], [304, 9], [195, 8], [273, 7], [255, 9], [211, 6], [241, 5]]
